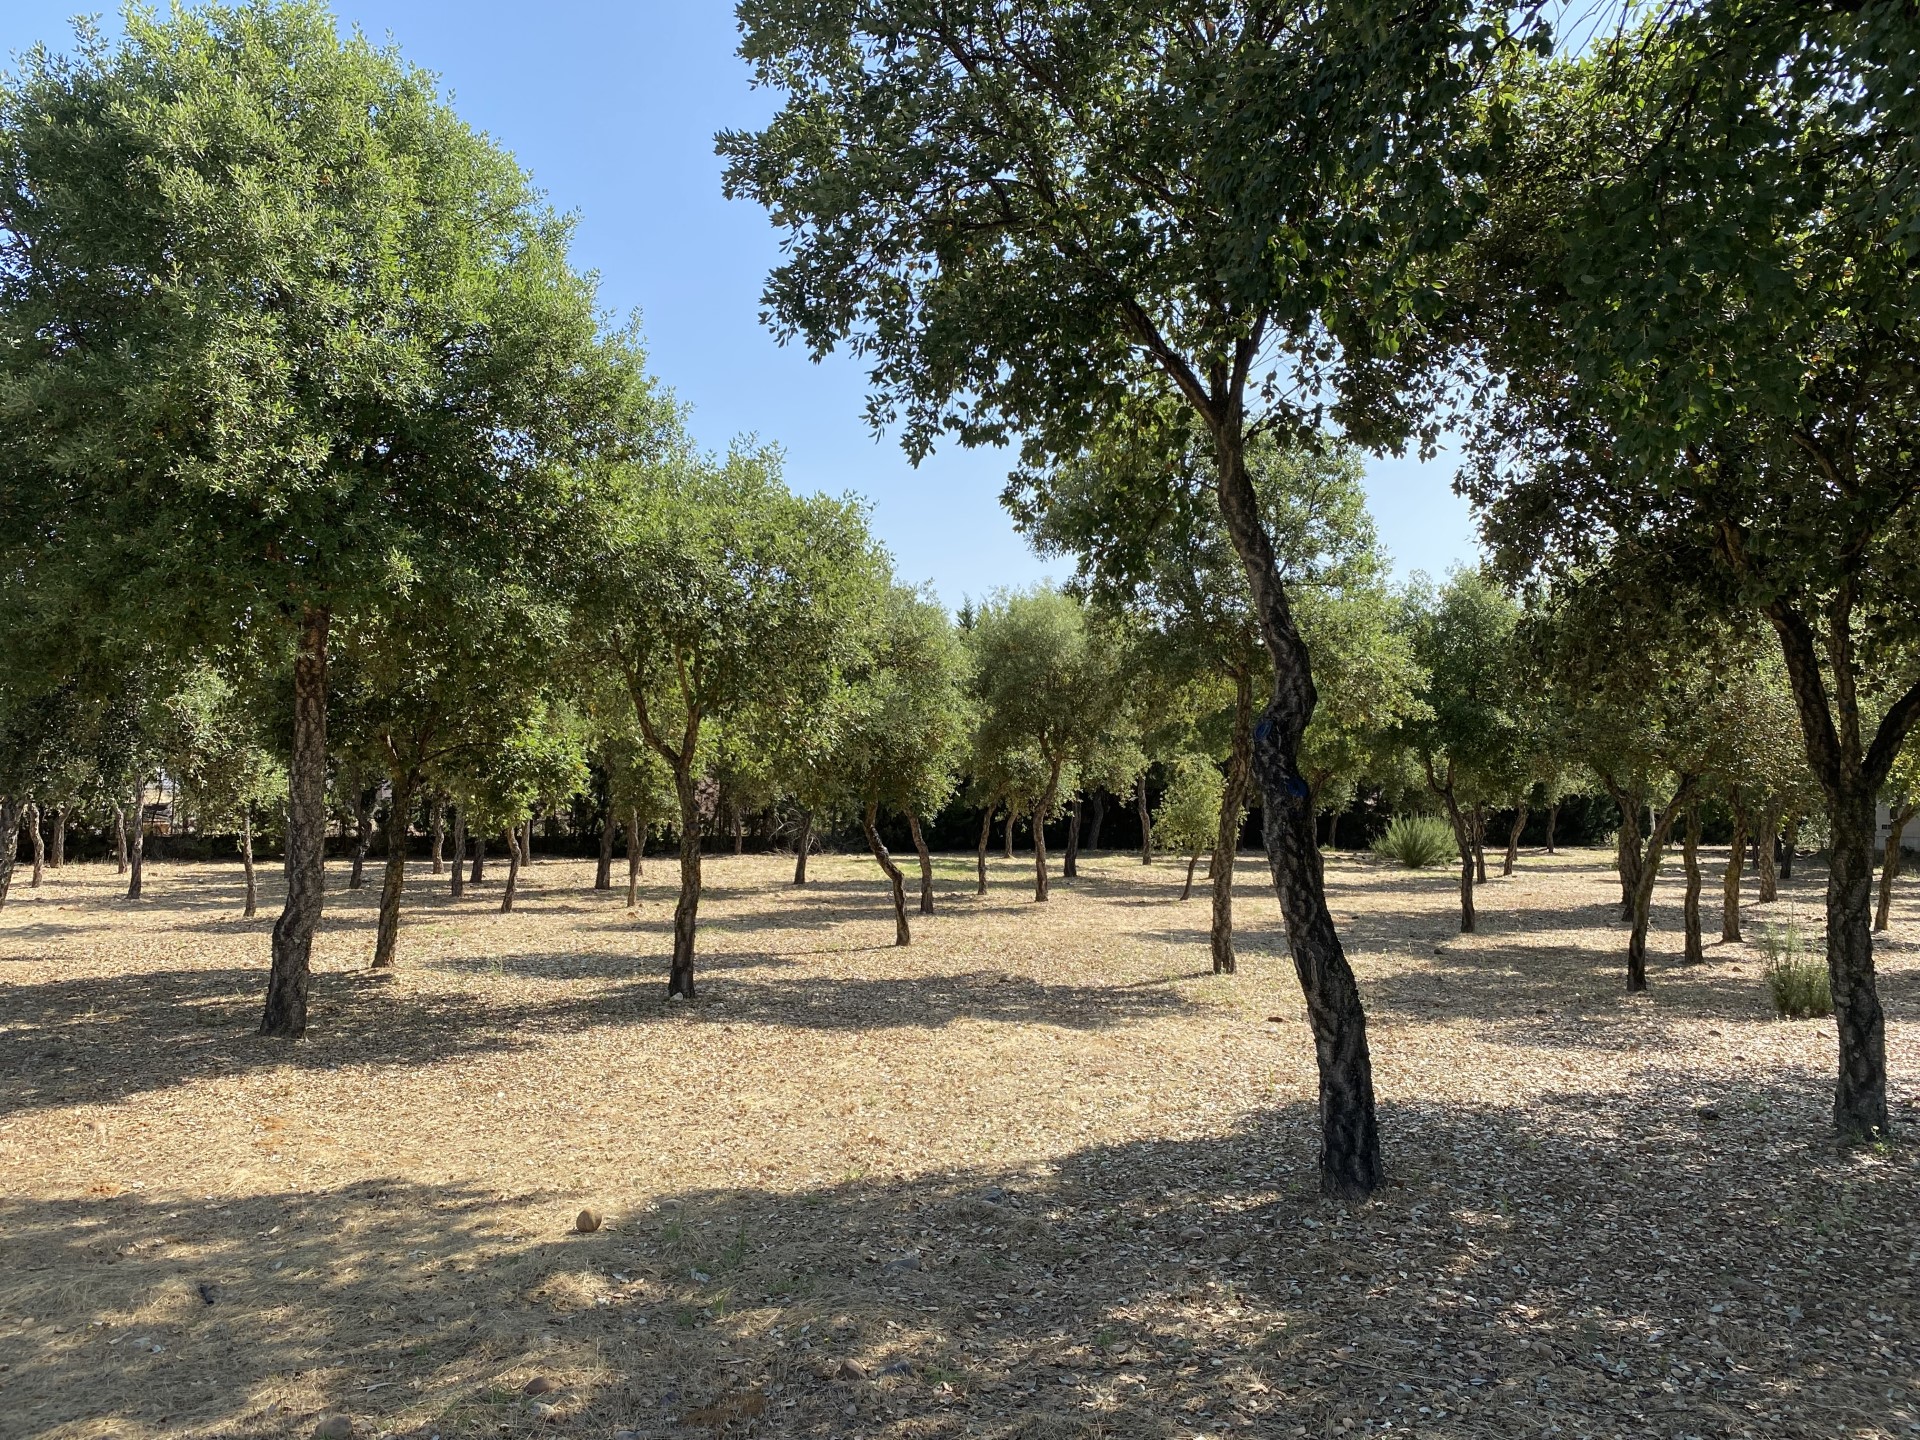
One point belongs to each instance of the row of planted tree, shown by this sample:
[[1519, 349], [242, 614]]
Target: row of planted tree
[[311, 420]]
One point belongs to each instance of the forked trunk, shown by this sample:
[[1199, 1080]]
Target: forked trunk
[[1730, 881], [901, 934], [362, 840], [120, 839], [926, 863], [603, 872], [1696, 952], [387, 933], [137, 842], [1070, 861], [9, 843], [1040, 813], [687, 910], [1890, 862], [1192, 862], [59, 855], [246, 862], [802, 845], [1513, 839], [38, 838], [1146, 820], [1097, 804], [636, 850], [986, 838], [1765, 844], [1648, 873], [1350, 1165], [514, 847], [285, 1013], [458, 869], [1226, 841], [437, 831]]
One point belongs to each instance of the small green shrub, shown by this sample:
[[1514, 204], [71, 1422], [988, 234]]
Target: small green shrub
[[1797, 981], [1416, 841]]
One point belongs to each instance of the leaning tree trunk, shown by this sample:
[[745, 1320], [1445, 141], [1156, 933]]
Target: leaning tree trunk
[[1479, 844], [513, 870], [926, 863], [137, 842], [478, 872], [1462, 840], [1070, 861], [458, 869], [1696, 952], [1226, 841], [1350, 1138], [901, 934], [986, 838], [39, 839], [1040, 813], [1097, 803], [687, 910], [387, 933], [636, 851], [1146, 820], [286, 1008], [603, 872], [246, 863], [120, 839], [9, 843], [1193, 862], [1647, 874], [437, 832], [802, 846], [362, 840], [1890, 862], [1730, 882], [1513, 839]]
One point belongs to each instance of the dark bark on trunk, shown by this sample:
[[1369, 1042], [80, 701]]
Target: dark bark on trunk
[[603, 872], [1860, 1097], [1070, 862], [739, 833], [1553, 821], [120, 839], [514, 848], [687, 910], [362, 839], [1193, 862], [9, 843], [1146, 821], [1009, 834], [59, 855], [901, 934], [459, 867], [1333, 829], [802, 846], [286, 1007], [1350, 1164], [1626, 846], [1462, 840], [1730, 882], [526, 843], [1766, 843], [1890, 862], [986, 838], [1097, 803], [387, 933], [636, 856], [437, 829], [38, 838], [1479, 844], [1226, 841], [1040, 814], [478, 872], [1789, 842], [926, 863], [246, 863], [1696, 951], [137, 842], [1647, 873], [1513, 840]]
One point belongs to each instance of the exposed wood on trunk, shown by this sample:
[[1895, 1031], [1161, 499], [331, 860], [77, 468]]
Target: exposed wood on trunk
[[926, 863], [902, 935], [286, 1006]]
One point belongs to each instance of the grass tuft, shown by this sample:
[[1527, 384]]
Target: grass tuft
[[1797, 981], [1415, 841]]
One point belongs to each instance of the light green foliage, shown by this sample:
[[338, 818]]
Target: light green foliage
[[540, 762], [1415, 841], [1797, 982], [1187, 819], [904, 726], [1462, 637], [211, 749]]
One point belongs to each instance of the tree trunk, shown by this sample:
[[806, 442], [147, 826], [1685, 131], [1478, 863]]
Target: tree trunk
[[1730, 882], [1647, 874], [459, 867], [1146, 820], [901, 934], [1696, 952], [986, 838], [802, 846], [1553, 821], [1789, 842], [514, 848], [39, 839], [1070, 862], [120, 838], [926, 864], [478, 872], [1009, 835], [524, 837], [1860, 1097], [1462, 840], [1764, 843], [1040, 813], [1513, 839], [362, 838], [1626, 847], [1890, 862], [1333, 829], [59, 856], [1097, 803], [1193, 862], [687, 910], [603, 872], [9, 843], [636, 852], [437, 831], [286, 1007], [246, 862], [1479, 844], [137, 841], [1226, 841], [739, 833], [1350, 1139], [387, 932]]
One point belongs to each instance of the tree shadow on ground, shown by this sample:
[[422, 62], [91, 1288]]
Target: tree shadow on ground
[[1593, 1265]]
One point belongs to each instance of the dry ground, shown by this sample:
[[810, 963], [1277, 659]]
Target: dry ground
[[1036, 1176]]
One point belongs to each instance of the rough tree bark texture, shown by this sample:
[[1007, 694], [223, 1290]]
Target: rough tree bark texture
[[1647, 873], [120, 839], [1480, 844], [986, 838], [1890, 862], [477, 873], [137, 842], [59, 855], [285, 1013], [437, 833], [603, 872], [1626, 847], [1789, 844], [1696, 952], [1226, 840], [1193, 862], [1513, 840], [926, 863], [901, 934], [636, 851], [1765, 843], [1097, 805], [386, 936], [1462, 839], [246, 862], [1146, 821], [1860, 1097], [9, 842], [1730, 882], [38, 837], [458, 869], [739, 832], [1350, 1140], [515, 845], [687, 909], [362, 839], [1009, 834], [1070, 861], [802, 844], [1040, 814]]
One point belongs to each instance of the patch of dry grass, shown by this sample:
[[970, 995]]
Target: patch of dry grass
[[1041, 1174]]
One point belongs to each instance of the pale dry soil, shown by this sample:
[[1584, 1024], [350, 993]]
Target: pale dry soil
[[1039, 1175]]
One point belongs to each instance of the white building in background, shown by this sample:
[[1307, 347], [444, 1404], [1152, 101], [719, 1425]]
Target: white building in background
[[1883, 822]]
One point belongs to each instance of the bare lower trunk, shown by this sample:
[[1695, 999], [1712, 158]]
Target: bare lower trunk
[[120, 838], [1789, 845], [286, 1007], [1146, 821], [1696, 952], [1097, 803], [1890, 863], [526, 843], [636, 851], [437, 832], [1009, 834], [137, 842], [986, 838], [1350, 1165], [1627, 848], [9, 843], [246, 863], [362, 840], [1765, 842], [1070, 861], [1192, 862], [1730, 882], [739, 833], [39, 840], [1040, 813], [478, 871], [387, 933], [1462, 840], [1479, 844], [687, 910], [515, 846], [1513, 840], [1648, 873], [1226, 841], [1860, 1097], [802, 844], [603, 872], [901, 934], [926, 863], [59, 856], [1333, 829], [1553, 822], [458, 869]]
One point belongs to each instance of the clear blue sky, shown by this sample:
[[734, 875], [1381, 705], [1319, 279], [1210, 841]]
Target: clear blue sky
[[613, 108]]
